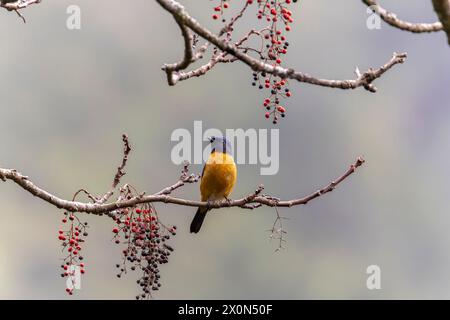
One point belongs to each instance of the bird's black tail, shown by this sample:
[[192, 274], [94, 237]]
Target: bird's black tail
[[197, 222]]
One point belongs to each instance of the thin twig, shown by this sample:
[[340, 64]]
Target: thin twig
[[18, 5], [163, 196], [365, 80], [442, 8], [391, 19]]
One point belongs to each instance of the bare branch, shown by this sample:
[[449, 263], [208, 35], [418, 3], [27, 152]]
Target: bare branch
[[364, 80], [120, 173], [174, 71], [16, 5], [87, 193], [126, 151], [391, 19], [252, 201], [442, 8], [277, 232], [171, 69], [217, 57], [184, 178]]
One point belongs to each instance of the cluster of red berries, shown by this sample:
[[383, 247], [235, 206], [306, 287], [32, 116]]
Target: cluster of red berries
[[275, 45], [145, 239], [278, 90], [219, 10], [72, 236]]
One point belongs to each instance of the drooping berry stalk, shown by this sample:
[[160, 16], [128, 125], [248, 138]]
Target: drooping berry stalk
[[278, 16], [139, 229], [72, 235], [145, 239]]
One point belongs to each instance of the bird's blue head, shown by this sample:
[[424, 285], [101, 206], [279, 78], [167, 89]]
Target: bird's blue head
[[220, 144]]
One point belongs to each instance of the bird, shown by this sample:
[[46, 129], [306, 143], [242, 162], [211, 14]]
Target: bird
[[218, 178]]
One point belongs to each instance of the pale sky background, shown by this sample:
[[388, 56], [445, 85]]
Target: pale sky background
[[67, 96]]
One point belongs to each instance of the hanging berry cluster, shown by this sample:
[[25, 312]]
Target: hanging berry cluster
[[219, 10], [138, 229], [279, 18], [72, 236], [145, 245]]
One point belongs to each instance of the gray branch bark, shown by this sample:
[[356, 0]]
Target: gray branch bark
[[182, 17], [442, 8]]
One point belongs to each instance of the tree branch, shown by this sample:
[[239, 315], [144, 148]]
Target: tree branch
[[16, 5], [442, 8], [188, 58], [252, 201], [173, 71], [120, 173], [363, 80], [391, 19]]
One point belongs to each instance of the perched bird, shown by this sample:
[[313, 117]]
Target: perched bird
[[218, 178]]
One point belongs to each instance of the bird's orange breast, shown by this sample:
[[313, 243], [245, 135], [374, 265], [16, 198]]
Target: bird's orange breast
[[219, 177]]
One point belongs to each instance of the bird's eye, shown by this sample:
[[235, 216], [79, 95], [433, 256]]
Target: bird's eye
[[212, 139]]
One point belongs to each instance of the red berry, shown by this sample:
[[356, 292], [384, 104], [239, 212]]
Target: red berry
[[281, 109]]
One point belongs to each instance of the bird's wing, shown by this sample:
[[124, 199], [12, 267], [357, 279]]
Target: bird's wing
[[203, 171]]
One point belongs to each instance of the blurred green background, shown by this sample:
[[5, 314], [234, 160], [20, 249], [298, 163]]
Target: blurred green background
[[67, 96]]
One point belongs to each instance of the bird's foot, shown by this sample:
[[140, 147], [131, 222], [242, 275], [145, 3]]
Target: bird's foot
[[209, 204], [228, 200]]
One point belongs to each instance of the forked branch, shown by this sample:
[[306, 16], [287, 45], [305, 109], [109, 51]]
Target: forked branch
[[442, 8], [391, 19], [16, 5], [97, 206], [185, 21]]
